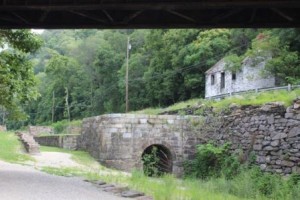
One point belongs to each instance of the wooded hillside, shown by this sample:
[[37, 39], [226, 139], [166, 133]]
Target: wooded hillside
[[81, 73]]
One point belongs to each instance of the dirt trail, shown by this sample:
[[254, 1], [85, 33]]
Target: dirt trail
[[54, 159]]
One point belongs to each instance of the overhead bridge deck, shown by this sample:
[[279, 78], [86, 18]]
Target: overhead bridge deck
[[148, 13]]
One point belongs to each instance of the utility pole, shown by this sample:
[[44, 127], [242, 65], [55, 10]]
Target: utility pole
[[126, 77], [53, 106], [67, 104]]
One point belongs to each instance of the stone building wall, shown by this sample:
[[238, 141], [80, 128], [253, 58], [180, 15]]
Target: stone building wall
[[249, 77], [62, 141]]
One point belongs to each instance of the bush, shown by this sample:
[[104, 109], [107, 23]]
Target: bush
[[62, 126], [212, 161], [150, 162]]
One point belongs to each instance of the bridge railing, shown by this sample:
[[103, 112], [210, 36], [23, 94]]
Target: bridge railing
[[289, 87]]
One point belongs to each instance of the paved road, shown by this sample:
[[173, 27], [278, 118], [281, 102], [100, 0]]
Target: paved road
[[25, 183]]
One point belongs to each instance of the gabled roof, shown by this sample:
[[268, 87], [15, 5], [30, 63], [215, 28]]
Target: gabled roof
[[216, 67]]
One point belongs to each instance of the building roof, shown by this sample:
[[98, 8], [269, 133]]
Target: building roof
[[219, 66]]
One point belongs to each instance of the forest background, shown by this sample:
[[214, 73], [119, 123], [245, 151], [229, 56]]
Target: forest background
[[81, 73]]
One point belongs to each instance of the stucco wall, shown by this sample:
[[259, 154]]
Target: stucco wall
[[248, 78]]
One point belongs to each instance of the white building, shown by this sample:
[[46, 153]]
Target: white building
[[219, 81]]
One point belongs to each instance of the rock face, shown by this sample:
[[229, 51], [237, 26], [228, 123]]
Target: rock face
[[271, 132], [29, 143]]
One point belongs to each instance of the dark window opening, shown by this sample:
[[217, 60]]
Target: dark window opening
[[233, 76], [212, 79], [157, 160], [222, 80]]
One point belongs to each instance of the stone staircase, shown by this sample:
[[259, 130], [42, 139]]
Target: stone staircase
[[31, 146]]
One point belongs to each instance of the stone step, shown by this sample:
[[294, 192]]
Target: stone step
[[31, 146]]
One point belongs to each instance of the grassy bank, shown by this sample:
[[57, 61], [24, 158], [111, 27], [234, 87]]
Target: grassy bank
[[11, 149], [246, 99]]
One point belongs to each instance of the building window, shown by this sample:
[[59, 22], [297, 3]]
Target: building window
[[212, 78], [222, 80], [233, 76]]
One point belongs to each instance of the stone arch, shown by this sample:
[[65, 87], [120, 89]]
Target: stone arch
[[164, 156]]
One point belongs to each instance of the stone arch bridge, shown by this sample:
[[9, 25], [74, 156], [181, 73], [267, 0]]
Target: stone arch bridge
[[120, 140]]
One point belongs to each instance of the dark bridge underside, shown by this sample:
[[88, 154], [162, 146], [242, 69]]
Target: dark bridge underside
[[148, 13]]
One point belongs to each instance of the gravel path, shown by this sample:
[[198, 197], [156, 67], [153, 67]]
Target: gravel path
[[19, 182], [54, 159]]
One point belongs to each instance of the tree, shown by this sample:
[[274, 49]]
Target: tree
[[209, 47], [17, 78]]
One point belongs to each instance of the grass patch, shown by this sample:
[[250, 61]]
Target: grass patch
[[11, 149], [283, 96], [250, 184]]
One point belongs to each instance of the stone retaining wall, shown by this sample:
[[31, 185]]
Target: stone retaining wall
[[270, 132], [62, 141], [37, 130]]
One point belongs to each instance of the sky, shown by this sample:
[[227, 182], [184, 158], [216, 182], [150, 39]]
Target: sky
[[37, 31]]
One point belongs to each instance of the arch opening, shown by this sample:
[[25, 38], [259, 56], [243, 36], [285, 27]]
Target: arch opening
[[157, 160]]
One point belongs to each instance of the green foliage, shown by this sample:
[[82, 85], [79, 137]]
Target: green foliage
[[16, 74], [233, 62], [286, 67], [165, 67], [150, 162], [61, 127], [212, 161]]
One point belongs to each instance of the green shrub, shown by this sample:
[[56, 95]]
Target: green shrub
[[60, 126], [150, 163], [212, 161]]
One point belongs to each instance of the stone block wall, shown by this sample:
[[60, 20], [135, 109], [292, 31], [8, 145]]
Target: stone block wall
[[119, 140], [62, 141], [37, 130], [271, 132]]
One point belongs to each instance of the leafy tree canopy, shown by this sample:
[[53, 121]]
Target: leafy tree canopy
[[17, 81]]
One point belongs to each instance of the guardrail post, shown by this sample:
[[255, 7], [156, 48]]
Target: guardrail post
[[256, 90], [289, 87]]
